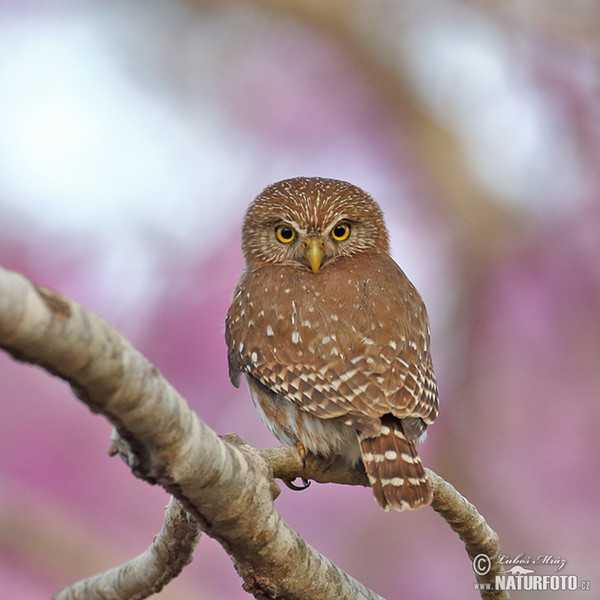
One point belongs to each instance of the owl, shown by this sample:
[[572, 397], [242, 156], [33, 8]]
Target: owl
[[332, 337]]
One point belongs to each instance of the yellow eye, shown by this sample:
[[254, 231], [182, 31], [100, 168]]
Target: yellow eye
[[340, 232], [285, 234]]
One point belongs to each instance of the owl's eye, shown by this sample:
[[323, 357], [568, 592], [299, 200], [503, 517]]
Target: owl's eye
[[285, 234], [340, 232]]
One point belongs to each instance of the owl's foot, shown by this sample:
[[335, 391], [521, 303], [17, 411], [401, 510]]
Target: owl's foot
[[305, 482], [303, 453], [297, 488]]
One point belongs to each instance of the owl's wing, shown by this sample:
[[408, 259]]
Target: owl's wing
[[348, 342]]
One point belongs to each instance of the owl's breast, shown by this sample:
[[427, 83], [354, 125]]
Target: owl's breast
[[351, 336]]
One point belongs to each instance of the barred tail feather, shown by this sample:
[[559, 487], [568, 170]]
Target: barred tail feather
[[394, 468]]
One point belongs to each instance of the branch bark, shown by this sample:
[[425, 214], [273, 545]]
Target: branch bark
[[462, 516], [148, 573], [226, 485]]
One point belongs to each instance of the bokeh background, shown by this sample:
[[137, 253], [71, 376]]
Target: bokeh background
[[133, 134]]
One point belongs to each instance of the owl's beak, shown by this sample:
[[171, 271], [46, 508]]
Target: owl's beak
[[314, 253]]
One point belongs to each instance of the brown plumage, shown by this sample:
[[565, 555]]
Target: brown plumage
[[331, 335]]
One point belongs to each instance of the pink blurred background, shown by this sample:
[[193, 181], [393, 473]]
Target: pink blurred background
[[133, 134]]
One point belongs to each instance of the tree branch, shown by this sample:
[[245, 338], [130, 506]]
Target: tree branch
[[228, 488], [457, 511], [471, 527], [148, 573], [225, 484]]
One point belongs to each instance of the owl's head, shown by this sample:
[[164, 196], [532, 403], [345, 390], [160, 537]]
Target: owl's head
[[309, 222]]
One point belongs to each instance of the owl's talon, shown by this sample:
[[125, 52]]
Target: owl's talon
[[303, 454], [297, 488]]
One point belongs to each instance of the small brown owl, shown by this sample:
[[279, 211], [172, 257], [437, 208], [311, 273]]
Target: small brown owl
[[332, 336]]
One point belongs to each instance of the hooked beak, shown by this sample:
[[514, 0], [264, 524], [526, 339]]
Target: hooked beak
[[314, 253]]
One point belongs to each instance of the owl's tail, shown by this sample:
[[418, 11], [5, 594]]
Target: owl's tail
[[394, 468]]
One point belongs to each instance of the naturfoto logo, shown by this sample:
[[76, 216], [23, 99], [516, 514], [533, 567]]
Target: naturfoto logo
[[521, 577]]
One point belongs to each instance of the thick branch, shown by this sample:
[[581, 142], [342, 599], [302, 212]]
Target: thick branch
[[148, 573], [228, 488]]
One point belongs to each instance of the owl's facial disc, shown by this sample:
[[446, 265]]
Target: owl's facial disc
[[313, 252]]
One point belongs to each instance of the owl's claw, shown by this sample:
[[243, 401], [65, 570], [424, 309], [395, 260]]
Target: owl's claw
[[305, 482], [303, 453], [297, 488]]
